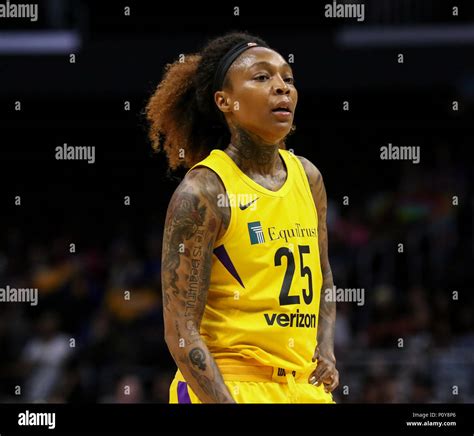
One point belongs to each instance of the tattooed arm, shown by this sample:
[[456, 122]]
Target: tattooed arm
[[326, 371], [193, 223]]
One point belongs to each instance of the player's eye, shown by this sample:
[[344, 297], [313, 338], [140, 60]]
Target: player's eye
[[261, 77], [290, 80]]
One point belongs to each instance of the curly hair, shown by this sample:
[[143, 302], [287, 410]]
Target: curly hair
[[183, 118]]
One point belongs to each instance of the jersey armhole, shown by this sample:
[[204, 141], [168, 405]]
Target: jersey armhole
[[306, 182], [225, 236]]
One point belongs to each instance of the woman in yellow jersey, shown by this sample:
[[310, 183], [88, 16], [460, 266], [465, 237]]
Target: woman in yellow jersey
[[245, 251]]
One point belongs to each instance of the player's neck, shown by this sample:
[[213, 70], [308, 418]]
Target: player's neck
[[252, 155]]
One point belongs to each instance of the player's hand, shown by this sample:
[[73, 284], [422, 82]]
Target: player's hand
[[325, 372]]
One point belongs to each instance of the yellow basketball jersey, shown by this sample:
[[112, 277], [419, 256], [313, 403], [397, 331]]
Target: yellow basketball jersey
[[265, 285]]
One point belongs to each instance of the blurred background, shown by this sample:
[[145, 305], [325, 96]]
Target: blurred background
[[86, 341]]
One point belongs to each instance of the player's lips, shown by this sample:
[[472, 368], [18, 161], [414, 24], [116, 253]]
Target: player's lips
[[282, 110], [282, 106], [282, 115]]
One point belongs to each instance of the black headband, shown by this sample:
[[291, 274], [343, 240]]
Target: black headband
[[227, 60]]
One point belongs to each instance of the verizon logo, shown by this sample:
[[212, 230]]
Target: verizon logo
[[302, 320]]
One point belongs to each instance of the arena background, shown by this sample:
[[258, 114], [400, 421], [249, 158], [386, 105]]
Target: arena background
[[97, 329]]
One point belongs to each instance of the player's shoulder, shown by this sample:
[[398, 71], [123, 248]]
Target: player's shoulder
[[202, 180], [201, 174], [311, 170]]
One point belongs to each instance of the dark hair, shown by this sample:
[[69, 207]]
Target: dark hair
[[183, 118]]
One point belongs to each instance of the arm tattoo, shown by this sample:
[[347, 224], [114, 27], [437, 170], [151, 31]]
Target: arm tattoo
[[327, 309], [184, 219], [198, 358], [209, 387], [192, 224]]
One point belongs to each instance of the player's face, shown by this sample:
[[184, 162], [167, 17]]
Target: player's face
[[261, 96]]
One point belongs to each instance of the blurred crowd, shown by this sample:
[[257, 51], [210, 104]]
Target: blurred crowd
[[97, 332], [411, 250]]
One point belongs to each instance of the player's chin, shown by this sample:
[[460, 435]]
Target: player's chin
[[283, 125], [280, 129]]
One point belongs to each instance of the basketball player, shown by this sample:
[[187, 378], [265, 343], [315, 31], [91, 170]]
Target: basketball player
[[245, 249]]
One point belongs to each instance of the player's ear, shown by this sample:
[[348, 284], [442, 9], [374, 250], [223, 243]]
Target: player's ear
[[223, 101]]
